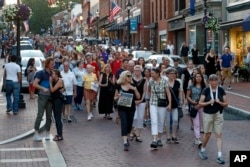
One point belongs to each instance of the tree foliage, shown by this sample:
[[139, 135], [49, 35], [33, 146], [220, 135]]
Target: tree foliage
[[42, 13]]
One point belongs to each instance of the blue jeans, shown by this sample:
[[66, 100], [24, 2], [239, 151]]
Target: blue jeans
[[12, 88]]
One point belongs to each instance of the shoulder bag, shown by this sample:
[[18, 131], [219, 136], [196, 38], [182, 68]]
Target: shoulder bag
[[160, 102], [180, 112]]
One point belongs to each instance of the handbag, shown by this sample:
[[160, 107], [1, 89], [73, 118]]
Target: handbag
[[193, 111], [180, 112], [161, 102]]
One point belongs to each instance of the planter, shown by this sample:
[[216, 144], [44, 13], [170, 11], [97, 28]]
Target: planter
[[13, 12]]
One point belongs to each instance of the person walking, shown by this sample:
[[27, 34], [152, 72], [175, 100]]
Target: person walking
[[193, 97], [211, 62], [227, 66], [12, 77], [195, 55], [126, 94], [106, 97], [56, 87], [176, 95], [184, 52], [69, 81], [213, 99], [160, 102], [141, 86], [79, 72], [30, 73], [44, 101], [89, 94]]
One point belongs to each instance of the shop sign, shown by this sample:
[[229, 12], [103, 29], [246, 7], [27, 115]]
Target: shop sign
[[133, 26]]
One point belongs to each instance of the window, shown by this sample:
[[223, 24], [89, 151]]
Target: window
[[163, 42], [160, 9], [180, 5], [152, 12]]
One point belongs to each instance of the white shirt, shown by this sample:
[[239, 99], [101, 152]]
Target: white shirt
[[69, 80], [171, 48], [248, 58], [11, 71]]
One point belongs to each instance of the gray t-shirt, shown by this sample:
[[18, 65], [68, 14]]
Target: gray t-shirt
[[195, 92]]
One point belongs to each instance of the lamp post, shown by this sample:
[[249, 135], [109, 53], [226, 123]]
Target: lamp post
[[205, 30], [81, 19], [97, 26], [128, 6]]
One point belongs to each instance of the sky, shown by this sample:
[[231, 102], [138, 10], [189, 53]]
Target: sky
[[10, 2]]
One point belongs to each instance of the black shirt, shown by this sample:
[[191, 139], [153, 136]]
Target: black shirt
[[122, 108], [212, 109], [140, 87]]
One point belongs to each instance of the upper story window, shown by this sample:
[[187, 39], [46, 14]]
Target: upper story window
[[180, 5]]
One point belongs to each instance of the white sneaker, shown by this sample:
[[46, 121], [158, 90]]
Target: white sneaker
[[229, 88], [47, 136], [197, 142], [91, 115], [37, 137], [89, 118]]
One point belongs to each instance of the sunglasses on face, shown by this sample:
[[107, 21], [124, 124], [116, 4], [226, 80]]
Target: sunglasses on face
[[129, 76]]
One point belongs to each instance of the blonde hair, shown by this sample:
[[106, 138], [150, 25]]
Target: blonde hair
[[123, 76], [138, 67]]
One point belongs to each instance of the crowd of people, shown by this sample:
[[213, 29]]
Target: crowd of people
[[78, 76]]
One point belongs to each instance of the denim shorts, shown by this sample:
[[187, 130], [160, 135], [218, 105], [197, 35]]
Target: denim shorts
[[69, 99]]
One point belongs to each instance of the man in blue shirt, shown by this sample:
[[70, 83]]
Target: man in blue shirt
[[226, 65], [42, 83]]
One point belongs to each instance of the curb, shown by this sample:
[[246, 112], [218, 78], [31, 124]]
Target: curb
[[237, 111]]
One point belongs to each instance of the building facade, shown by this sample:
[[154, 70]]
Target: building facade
[[235, 27]]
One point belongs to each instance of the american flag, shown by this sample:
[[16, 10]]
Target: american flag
[[89, 17], [114, 10]]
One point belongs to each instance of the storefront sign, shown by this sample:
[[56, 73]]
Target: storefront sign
[[133, 26], [176, 25]]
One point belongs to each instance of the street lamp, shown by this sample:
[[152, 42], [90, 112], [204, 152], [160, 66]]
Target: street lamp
[[97, 26], [81, 19], [205, 30], [128, 6]]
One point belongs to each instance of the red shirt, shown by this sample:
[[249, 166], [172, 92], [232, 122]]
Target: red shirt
[[115, 66], [95, 65]]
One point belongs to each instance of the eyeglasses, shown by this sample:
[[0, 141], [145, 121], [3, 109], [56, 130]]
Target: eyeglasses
[[129, 76]]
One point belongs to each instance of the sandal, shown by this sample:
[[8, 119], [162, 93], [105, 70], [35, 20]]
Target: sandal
[[57, 138], [132, 136], [138, 139], [175, 140]]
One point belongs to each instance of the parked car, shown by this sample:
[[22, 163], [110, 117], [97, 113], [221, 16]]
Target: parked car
[[142, 53], [158, 57], [25, 56], [22, 47], [92, 41]]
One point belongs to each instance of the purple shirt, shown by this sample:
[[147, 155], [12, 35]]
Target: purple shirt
[[105, 57]]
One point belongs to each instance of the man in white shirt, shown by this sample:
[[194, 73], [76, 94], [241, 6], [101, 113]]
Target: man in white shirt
[[12, 77], [69, 81], [170, 46]]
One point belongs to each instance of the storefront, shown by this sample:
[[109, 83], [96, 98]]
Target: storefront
[[237, 39]]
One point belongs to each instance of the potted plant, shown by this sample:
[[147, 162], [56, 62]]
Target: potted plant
[[211, 23], [13, 12]]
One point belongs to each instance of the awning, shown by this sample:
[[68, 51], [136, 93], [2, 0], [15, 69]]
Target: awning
[[230, 24], [114, 27], [246, 24], [151, 26]]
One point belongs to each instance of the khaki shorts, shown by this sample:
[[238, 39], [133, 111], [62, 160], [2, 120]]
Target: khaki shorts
[[213, 122], [226, 72]]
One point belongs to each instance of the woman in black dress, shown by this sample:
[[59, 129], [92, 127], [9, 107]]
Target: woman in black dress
[[211, 63], [106, 82], [195, 55]]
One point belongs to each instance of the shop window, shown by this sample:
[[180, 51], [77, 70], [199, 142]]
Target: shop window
[[163, 42]]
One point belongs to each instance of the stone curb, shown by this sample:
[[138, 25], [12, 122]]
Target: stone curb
[[237, 111]]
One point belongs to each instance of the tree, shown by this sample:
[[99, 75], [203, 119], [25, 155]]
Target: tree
[[42, 13]]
